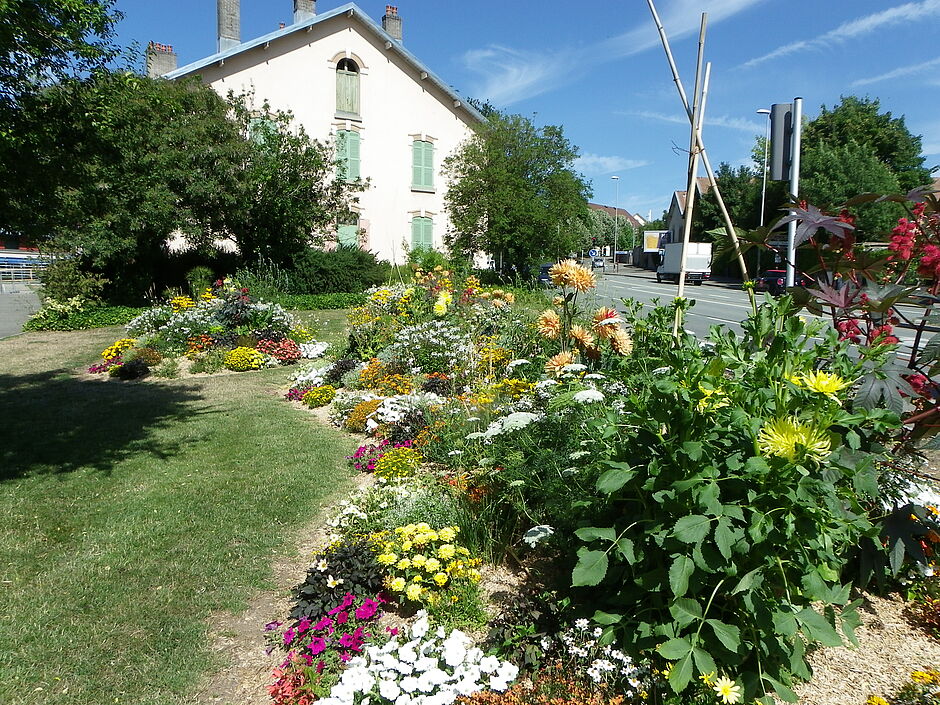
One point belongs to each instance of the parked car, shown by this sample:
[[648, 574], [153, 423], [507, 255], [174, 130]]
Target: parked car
[[774, 281], [598, 263], [543, 278]]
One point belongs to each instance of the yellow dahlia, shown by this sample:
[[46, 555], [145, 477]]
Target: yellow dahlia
[[793, 440], [605, 321], [825, 383], [558, 301], [620, 341], [555, 364], [570, 274], [549, 324], [583, 337]]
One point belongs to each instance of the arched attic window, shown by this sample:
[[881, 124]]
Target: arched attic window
[[347, 88]]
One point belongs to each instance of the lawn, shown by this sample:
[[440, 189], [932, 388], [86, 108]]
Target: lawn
[[133, 511]]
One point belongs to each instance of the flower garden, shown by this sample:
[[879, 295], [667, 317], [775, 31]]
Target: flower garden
[[688, 520]]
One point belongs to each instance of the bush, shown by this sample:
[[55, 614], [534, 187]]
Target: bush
[[199, 279], [356, 421], [64, 279], [319, 396], [242, 359], [148, 356], [168, 369], [135, 369], [82, 319], [319, 302], [209, 362], [345, 269]]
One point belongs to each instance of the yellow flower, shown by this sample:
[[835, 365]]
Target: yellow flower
[[707, 678], [474, 575], [387, 558], [423, 527], [793, 440], [825, 383], [448, 533], [432, 565], [727, 690], [403, 564], [413, 592], [398, 584], [419, 560], [549, 324], [556, 363], [713, 400], [620, 341], [406, 545], [796, 380], [876, 700], [440, 579], [446, 552], [583, 337], [925, 677], [570, 274]]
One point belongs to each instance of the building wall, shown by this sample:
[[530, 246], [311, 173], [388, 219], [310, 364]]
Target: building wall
[[297, 72]]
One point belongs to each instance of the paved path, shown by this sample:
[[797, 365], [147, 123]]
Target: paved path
[[18, 301]]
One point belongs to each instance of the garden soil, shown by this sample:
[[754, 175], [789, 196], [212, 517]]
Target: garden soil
[[889, 648]]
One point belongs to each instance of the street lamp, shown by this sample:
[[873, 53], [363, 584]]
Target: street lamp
[[616, 180]]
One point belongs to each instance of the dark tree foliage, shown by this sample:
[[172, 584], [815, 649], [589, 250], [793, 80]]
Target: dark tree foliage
[[513, 192]]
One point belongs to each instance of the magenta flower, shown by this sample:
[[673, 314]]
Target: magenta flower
[[303, 625], [368, 609], [325, 623], [342, 617], [317, 645], [289, 636]]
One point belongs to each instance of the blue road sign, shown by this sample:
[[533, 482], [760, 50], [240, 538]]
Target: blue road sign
[[592, 253]]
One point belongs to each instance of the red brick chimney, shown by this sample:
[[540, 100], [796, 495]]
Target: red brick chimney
[[391, 23]]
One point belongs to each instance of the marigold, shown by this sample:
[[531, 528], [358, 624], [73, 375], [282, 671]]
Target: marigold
[[555, 364], [793, 440], [549, 324], [583, 337]]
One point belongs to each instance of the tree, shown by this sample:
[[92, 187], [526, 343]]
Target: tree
[[859, 121], [47, 40], [741, 191], [513, 192]]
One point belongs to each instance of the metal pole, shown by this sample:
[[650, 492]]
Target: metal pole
[[616, 180], [763, 189], [794, 187]]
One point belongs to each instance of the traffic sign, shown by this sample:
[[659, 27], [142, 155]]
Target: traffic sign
[[592, 253]]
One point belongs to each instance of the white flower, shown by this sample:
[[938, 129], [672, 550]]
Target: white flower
[[573, 367], [455, 452], [578, 454], [661, 370], [595, 375], [516, 363], [581, 623], [534, 535], [389, 689], [313, 350], [332, 582], [421, 625], [589, 396], [322, 565]]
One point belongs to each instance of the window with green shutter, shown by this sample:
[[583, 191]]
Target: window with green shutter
[[422, 233], [348, 235], [260, 129], [422, 165], [347, 154], [347, 88]]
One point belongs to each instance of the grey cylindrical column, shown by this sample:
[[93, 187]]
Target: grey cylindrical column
[[230, 33], [304, 10]]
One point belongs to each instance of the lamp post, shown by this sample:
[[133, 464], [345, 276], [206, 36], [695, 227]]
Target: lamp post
[[763, 191], [616, 180]]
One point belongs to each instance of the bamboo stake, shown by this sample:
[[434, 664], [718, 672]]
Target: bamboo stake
[[729, 226]]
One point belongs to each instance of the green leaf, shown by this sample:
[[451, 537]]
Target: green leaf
[[681, 673], [590, 533], [750, 580], [692, 529], [704, 661], [693, 449], [782, 691], [685, 610], [784, 623], [817, 628], [590, 569], [853, 440], [675, 649], [724, 537], [606, 618], [728, 634], [615, 478], [625, 549], [679, 572]]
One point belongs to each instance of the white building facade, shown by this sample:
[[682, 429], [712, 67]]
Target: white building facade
[[350, 82]]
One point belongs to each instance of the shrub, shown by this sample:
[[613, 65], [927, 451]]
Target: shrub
[[148, 356], [340, 368], [242, 359], [135, 369], [356, 421], [345, 269], [397, 462], [57, 316], [209, 363], [319, 396], [168, 369], [285, 351], [64, 279], [391, 385]]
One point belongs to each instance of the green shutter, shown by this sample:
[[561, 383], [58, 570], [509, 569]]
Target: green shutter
[[342, 160], [422, 233], [348, 235], [352, 156], [347, 92], [428, 233], [422, 165]]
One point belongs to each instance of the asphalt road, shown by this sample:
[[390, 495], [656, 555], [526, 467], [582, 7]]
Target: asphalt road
[[716, 303], [18, 301]]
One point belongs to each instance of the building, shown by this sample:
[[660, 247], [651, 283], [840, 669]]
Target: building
[[675, 216], [350, 81]]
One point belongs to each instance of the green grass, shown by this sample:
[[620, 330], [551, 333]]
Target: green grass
[[131, 512]]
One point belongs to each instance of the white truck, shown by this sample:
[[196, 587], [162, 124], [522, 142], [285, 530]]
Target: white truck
[[698, 263]]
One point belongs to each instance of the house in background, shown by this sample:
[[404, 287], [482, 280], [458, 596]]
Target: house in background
[[675, 217], [350, 81]]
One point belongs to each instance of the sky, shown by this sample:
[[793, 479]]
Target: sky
[[599, 70]]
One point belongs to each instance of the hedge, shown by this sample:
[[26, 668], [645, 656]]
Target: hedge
[[97, 317]]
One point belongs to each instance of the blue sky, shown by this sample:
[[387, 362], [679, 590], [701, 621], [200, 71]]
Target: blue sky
[[598, 69]]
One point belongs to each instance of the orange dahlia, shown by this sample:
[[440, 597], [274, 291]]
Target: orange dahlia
[[570, 274], [605, 321], [582, 336], [556, 364], [621, 341], [549, 324]]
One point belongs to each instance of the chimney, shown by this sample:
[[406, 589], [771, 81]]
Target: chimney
[[391, 23], [304, 10], [161, 59], [230, 32]]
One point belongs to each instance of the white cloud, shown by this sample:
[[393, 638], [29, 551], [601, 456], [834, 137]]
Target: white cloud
[[908, 12], [509, 75], [596, 164], [732, 123], [898, 72]]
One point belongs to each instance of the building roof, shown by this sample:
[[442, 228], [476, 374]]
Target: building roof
[[620, 212], [702, 186], [351, 10]]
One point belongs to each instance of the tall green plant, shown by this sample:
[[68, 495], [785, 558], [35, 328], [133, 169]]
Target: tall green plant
[[734, 487]]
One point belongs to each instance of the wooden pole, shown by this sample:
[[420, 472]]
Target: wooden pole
[[729, 226]]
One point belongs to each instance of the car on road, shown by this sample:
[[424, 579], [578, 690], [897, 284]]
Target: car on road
[[543, 279], [774, 281], [598, 263]]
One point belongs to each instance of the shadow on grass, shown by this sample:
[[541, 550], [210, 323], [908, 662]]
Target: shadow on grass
[[54, 422]]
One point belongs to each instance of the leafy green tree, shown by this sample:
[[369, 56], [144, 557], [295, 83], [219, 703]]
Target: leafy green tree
[[859, 121], [741, 190], [513, 192]]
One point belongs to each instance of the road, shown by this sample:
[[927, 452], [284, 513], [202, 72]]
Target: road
[[18, 301], [716, 303]]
